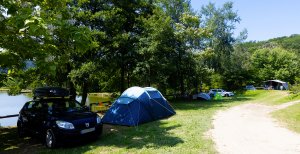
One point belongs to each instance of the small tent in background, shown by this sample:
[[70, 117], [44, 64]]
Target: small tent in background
[[203, 96], [276, 85], [138, 105]]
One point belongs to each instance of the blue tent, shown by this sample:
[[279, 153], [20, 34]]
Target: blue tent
[[138, 105]]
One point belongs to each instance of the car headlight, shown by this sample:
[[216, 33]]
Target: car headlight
[[98, 119], [65, 125]]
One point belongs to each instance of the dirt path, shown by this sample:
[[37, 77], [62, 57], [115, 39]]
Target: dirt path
[[249, 129]]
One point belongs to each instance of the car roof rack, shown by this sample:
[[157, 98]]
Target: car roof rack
[[50, 92]]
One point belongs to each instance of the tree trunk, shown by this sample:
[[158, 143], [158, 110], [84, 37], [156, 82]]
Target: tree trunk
[[181, 84], [72, 90], [180, 72], [149, 77], [122, 79], [71, 84], [84, 93]]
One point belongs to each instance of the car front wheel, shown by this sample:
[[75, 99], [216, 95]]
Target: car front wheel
[[50, 139]]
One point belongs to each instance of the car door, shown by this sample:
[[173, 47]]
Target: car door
[[213, 92], [222, 92], [39, 116], [27, 115]]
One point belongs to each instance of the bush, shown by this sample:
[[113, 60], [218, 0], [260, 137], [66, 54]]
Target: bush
[[14, 86], [295, 88]]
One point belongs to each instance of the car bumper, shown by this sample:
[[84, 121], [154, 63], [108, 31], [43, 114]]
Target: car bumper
[[77, 135]]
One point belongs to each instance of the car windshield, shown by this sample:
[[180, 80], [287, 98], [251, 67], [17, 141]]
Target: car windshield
[[64, 106]]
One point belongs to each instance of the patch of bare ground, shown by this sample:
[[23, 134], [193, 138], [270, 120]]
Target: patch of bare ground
[[249, 129]]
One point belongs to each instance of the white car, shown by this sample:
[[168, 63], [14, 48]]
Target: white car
[[212, 92]]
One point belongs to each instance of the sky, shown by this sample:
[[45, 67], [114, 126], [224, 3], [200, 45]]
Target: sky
[[264, 19]]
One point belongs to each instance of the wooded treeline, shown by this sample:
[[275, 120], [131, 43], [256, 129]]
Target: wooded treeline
[[110, 45]]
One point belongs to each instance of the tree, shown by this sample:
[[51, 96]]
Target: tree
[[21, 32], [44, 32], [238, 70], [187, 35], [154, 48], [122, 23], [221, 22], [276, 63]]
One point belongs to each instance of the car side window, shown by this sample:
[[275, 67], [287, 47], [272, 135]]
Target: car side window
[[32, 106], [37, 106], [29, 105], [49, 107]]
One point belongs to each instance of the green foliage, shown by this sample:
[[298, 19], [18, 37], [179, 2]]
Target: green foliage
[[84, 73], [216, 81], [2, 79], [275, 63], [15, 86], [229, 63], [221, 22], [296, 87], [290, 43], [238, 70]]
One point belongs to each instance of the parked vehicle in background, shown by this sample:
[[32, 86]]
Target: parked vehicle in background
[[56, 118], [212, 92], [250, 87]]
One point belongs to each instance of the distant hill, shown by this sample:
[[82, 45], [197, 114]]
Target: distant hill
[[291, 43]]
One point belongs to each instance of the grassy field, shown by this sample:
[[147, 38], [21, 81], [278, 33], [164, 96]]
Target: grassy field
[[183, 133], [290, 117], [272, 97]]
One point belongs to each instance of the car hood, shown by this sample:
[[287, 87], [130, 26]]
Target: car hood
[[76, 116]]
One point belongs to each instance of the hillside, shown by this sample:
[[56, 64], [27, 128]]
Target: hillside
[[291, 43]]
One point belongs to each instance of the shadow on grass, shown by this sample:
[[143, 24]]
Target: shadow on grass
[[11, 143], [151, 135]]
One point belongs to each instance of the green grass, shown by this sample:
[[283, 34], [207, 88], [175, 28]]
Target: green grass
[[289, 117], [273, 97], [183, 133]]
